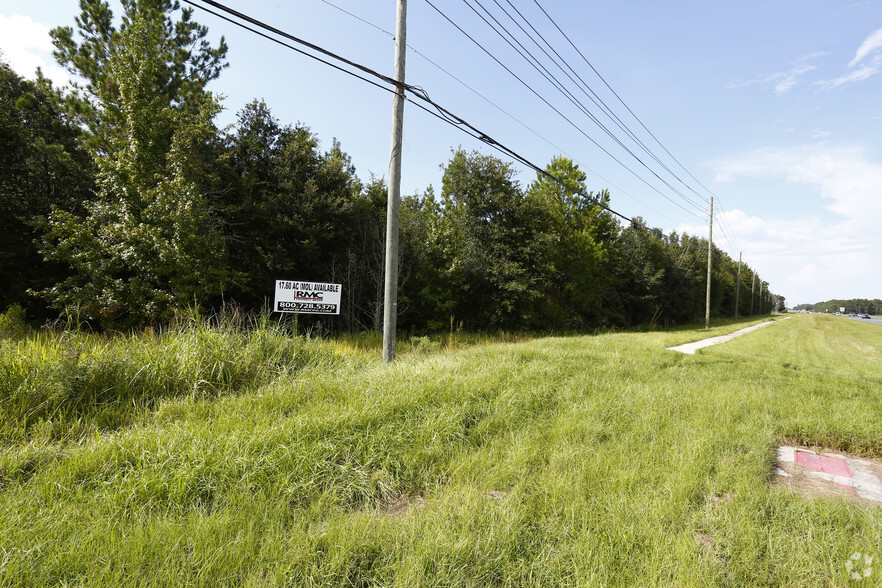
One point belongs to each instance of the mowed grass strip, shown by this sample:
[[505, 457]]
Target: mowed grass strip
[[600, 460]]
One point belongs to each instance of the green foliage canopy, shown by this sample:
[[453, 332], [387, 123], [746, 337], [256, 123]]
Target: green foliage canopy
[[183, 63], [147, 245], [41, 165]]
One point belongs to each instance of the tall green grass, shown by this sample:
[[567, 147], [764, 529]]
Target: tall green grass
[[582, 461], [67, 383]]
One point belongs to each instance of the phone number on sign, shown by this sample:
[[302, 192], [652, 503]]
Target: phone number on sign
[[306, 307]]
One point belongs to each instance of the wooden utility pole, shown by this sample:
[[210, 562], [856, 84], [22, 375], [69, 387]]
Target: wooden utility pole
[[738, 288], [710, 249], [752, 284], [390, 300]]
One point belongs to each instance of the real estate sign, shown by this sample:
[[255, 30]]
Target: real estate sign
[[307, 297]]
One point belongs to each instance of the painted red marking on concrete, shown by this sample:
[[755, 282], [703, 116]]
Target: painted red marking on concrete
[[846, 486], [822, 463]]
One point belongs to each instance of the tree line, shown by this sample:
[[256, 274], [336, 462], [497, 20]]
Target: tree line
[[859, 305], [121, 199]]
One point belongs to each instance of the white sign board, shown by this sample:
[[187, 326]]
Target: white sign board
[[307, 297], [841, 309]]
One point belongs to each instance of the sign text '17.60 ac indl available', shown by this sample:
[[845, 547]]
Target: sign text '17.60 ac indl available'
[[307, 297]]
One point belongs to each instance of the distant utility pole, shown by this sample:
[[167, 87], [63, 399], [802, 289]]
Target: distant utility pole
[[710, 248], [752, 284], [738, 288], [390, 300]]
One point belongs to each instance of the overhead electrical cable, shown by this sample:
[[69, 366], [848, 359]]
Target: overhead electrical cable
[[436, 109], [589, 92], [506, 113], [726, 221], [465, 85], [726, 236], [575, 126], [439, 111], [628, 108], [367, 22], [450, 117], [729, 235], [257, 23], [511, 40], [418, 92]]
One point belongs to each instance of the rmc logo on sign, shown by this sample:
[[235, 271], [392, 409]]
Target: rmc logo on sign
[[307, 297]]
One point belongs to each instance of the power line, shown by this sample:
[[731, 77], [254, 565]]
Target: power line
[[543, 71], [418, 92], [367, 22], [726, 221], [590, 93], [547, 103], [465, 85], [588, 169], [292, 47], [436, 109], [628, 108], [551, 78]]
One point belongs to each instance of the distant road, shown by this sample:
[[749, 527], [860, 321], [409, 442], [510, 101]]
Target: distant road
[[876, 320]]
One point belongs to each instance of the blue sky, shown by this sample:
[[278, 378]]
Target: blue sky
[[773, 106]]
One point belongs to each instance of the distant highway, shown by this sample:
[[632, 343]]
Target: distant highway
[[876, 320], [873, 320]]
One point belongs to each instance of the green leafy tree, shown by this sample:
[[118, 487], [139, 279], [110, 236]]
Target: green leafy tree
[[637, 265], [782, 305], [685, 288], [183, 63], [364, 268], [41, 165], [574, 265], [419, 265], [428, 227], [246, 209], [147, 245], [292, 214], [494, 239]]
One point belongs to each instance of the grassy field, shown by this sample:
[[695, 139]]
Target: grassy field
[[222, 457]]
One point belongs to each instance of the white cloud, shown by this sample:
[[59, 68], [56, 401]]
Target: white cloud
[[869, 49], [806, 275], [858, 75], [843, 175], [791, 78], [26, 45], [870, 44], [805, 256], [868, 57], [781, 82]]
